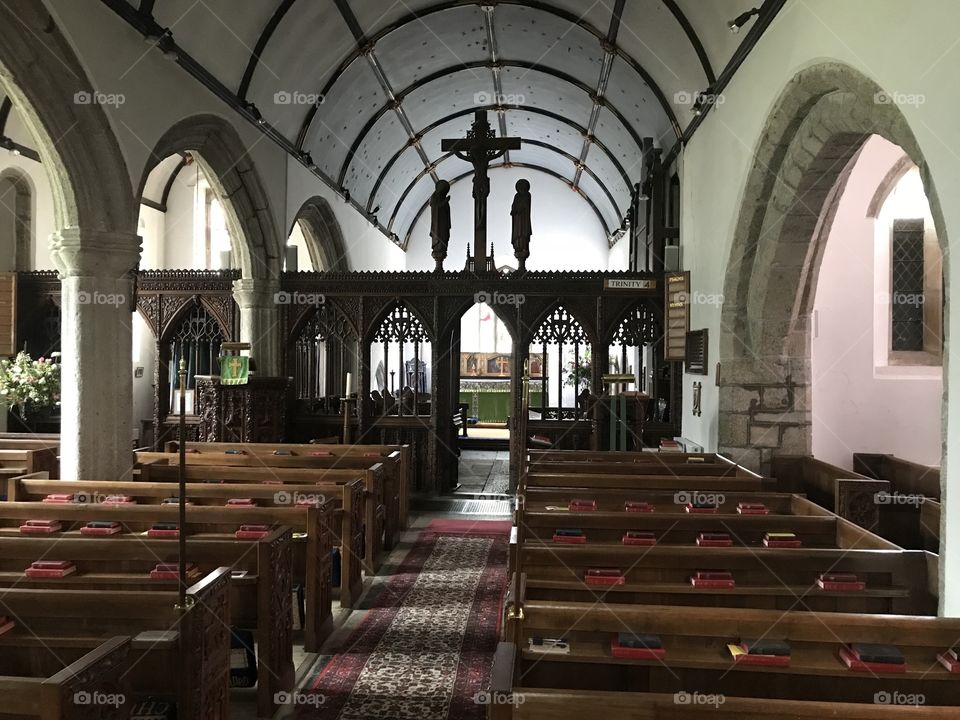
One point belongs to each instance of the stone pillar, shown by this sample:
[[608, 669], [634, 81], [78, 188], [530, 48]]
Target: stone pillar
[[96, 343], [259, 301]]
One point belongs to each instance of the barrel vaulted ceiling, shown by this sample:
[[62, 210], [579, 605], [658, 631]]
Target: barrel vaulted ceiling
[[368, 88]]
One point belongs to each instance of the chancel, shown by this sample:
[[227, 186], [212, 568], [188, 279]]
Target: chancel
[[478, 360]]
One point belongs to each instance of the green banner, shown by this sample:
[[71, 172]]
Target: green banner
[[234, 370]]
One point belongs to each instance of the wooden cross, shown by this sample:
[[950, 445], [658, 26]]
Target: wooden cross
[[479, 148]]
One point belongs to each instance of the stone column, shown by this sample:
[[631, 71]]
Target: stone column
[[260, 301], [96, 433]]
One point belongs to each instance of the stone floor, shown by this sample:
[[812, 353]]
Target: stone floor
[[484, 472]]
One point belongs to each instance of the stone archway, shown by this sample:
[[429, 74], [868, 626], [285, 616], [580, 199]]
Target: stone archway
[[220, 152], [819, 124], [218, 149], [96, 244], [325, 242]]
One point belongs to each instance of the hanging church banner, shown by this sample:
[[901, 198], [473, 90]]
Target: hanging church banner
[[234, 370]]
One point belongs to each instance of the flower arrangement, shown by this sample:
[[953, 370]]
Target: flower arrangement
[[29, 384], [578, 376]]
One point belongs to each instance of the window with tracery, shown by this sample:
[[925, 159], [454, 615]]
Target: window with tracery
[[324, 352], [400, 372], [632, 345], [564, 349], [197, 340]]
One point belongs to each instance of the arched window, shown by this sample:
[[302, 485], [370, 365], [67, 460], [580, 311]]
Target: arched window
[[633, 343], [325, 350], [16, 222], [400, 343], [560, 356], [197, 340]]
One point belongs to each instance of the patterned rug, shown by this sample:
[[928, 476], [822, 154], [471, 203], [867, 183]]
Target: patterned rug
[[424, 649]]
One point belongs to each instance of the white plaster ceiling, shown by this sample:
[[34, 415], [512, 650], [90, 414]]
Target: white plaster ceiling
[[359, 83]]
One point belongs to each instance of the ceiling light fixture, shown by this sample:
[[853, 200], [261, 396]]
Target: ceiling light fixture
[[742, 19]]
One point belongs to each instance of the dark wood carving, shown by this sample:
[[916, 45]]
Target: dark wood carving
[[205, 639], [275, 618]]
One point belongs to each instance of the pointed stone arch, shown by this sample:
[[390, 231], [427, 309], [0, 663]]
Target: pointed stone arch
[[217, 147], [95, 245], [818, 125], [325, 243]]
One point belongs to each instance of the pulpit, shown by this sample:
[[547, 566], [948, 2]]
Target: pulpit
[[255, 411]]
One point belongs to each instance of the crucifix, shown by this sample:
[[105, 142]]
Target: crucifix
[[479, 148]]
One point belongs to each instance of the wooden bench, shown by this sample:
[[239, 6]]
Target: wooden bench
[[390, 464], [38, 685], [15, 462], [697, 678], [344, 503], [184, 653], [261, 588], [535, 479], [621, 456], [335, 450], [911, 486], [159, 471]]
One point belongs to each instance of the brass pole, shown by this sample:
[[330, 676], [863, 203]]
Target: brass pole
[[182, 481]]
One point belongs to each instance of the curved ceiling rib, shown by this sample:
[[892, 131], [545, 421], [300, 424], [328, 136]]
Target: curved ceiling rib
[[537, 111], [694, 39], [546, 146], [268, 30], [488, 64], [464, 176], [370, 41]]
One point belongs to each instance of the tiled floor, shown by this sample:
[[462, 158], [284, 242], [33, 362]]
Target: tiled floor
[[484, 472]]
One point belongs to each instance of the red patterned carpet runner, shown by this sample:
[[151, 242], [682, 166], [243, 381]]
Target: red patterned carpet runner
[[424, 649]]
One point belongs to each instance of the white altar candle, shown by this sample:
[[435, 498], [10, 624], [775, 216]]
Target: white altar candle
[[349, 384]]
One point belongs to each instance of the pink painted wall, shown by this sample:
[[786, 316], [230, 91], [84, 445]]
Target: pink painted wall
[[857, 406]]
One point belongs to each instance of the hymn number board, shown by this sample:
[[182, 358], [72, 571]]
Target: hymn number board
[[8, 314], [677, 304]]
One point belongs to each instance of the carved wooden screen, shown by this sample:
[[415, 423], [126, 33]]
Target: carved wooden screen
[[403, 336], [630, 346], [197, 339], [570, 361], [325, 350]]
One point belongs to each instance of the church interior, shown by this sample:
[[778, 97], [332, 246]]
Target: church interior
[[478, 359]]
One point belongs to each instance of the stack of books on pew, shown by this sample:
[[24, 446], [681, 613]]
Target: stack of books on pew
[[951, 659], [866, 657], [50, 569], [164, 530], [171, 571], [570, 536], [638, 506], [639, 537], [582, 505], [840, 582], [774, 653], [637, 647], [781, 540], [40, 527], [712, 580], [747, 508], [97, 527], [714, 539], [252, 532], [604, 576]]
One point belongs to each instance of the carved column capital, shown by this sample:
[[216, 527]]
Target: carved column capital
[[256, 293], [79, 252]]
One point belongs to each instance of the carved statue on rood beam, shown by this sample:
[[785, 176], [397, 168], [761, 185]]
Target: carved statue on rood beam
[[522, 230], [440, 222]]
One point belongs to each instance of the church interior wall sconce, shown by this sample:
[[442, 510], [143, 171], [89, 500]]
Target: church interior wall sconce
[[697, 399]]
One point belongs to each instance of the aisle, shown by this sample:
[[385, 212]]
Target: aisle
[[424, 649]]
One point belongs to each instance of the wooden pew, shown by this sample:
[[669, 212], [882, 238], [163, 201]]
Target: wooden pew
[[930, 526], [621, 456], [15, 462], [335, 450], [261, 593], [344, 524], [911, 486], [590, 681], [849, 494], [372, 478], [390, 487], [31, 690], [535, 479], [186, 649]]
